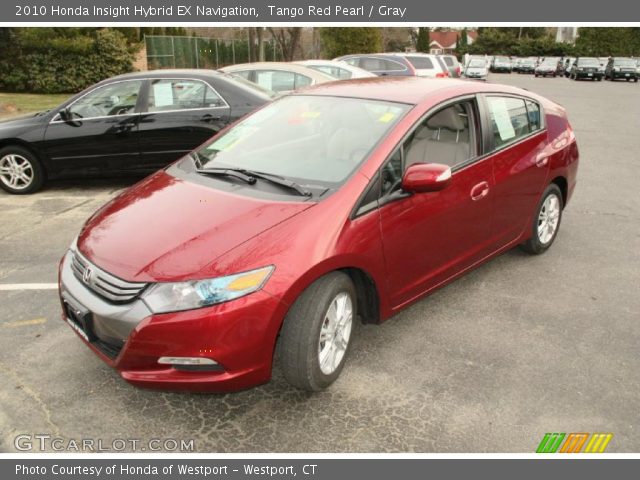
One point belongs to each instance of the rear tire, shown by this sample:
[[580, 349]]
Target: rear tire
[[20, 170], [546, 221], [317, 332]]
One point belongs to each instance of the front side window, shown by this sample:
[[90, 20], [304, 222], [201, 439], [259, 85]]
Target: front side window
[[114, 99], [512, 118], [447, 137], [313, 139], [181, 95]]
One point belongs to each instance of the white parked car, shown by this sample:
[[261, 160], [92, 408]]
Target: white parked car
[[278, 76], [337, 69], [426, 65], [476, 69]]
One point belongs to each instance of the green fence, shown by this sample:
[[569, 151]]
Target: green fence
[[201, 52]]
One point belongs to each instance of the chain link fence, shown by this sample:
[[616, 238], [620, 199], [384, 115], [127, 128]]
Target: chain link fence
[[166, 51]]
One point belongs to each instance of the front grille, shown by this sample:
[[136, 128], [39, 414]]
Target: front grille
[[104, 284]]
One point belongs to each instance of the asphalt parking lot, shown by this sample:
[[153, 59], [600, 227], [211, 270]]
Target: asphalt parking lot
[[517, 348]]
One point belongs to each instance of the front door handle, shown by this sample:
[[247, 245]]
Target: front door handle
[[542, 160], [125, 127], [480, 191], [210, 118]]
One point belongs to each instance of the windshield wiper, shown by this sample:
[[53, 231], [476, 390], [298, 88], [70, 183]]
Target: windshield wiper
[[229, 172], [252, 175]]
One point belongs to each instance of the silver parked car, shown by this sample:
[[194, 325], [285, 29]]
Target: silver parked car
[[476, 69]]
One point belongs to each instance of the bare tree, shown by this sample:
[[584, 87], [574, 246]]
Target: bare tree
[[288, 39]]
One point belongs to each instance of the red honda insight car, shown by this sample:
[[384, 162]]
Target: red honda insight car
[[340, 204]]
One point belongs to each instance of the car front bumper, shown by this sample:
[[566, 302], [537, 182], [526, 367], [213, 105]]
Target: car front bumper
[[589, 75], [238, 335], [624, 75]]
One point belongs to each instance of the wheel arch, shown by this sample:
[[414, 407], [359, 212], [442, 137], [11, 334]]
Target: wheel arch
[[8, 142], [563, 185]]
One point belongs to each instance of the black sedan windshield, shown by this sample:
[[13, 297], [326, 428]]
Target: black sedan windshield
[[312, 139]]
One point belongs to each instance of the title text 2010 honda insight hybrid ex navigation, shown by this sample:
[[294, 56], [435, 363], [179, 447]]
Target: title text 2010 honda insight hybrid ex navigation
[[335, 205]]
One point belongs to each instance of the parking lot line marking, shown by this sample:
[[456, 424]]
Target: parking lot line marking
[[28, 286], [24, 323]]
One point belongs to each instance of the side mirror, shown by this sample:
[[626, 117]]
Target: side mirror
[[65, 114], [426, 177]]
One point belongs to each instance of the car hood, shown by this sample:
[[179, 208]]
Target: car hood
[[22, 120], [478, 70], [166, 229]]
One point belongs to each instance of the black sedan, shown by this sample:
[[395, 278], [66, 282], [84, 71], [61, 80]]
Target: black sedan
[[586, 67], [134, 123]]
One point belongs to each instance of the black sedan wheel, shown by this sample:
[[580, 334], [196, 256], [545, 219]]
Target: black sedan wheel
[[20, 170]]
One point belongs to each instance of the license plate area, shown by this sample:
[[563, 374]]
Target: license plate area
[[79, 318]]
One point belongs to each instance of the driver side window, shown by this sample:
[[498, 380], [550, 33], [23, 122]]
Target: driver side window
[[447, 137], [109, 100]]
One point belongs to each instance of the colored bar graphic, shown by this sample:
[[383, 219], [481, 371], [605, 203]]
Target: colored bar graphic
[[598, 442], [574, 443], [550, 443]]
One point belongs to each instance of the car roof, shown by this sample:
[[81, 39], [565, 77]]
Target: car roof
[[183, 72], [409, 90], [284, 66]]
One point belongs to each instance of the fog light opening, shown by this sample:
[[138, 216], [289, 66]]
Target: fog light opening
[[198, 364]]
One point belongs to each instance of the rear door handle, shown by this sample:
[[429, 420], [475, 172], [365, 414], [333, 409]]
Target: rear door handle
[[480, 191]]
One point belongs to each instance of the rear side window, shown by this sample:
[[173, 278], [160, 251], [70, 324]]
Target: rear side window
[[512, 118], [448, 61], [335, 72], [281, 81], [420, 63], [181, 95], [374, 64], [533, 112]]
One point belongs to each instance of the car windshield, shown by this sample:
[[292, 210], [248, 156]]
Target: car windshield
[[310, 139], [588, 62], [550, 62], [476, 64], [502, 60], [528, 62], [624, 62]]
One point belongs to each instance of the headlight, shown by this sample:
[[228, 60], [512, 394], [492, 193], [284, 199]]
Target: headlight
[[174, 297]]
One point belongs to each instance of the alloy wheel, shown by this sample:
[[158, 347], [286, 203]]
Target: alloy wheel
[[335, 333], [548, 218], [16, 171]]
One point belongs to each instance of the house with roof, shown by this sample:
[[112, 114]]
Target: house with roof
[[445, 41]]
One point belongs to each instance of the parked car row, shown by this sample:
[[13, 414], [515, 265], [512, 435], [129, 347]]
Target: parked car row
[[140, 122]]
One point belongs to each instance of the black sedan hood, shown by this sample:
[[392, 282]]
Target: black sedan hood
[[22, 120]]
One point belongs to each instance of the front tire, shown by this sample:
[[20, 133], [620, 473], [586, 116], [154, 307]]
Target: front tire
[[546, 221], [316, 333], [20, 171]]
